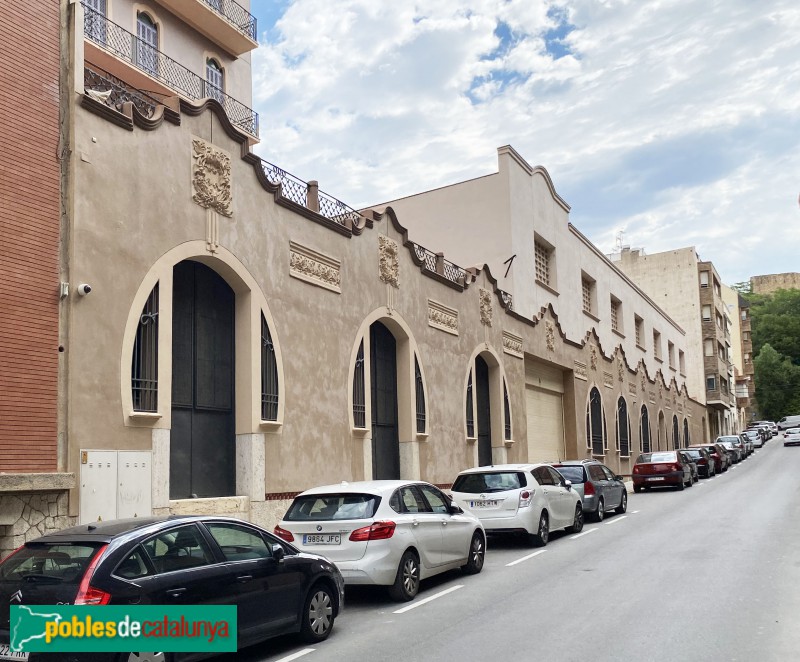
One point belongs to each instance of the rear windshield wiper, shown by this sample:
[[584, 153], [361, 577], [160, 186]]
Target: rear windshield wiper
[[46, 579]]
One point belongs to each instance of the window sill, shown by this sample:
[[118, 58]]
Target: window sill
[[618, 332], [546, 287], [659, 359], [508, 442], [472, 440], [638, 346], [359, 432], [591, 315], [144, 416], [673, 368], [422, 436], [270, 426]]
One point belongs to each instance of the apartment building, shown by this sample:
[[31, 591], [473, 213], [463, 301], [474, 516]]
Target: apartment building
[[741, 354]]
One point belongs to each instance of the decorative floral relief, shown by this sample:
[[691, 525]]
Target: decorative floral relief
[[486, 307], [644, 380], [512, 344], [550, 335], [621, 370], [312, 268], [389, 264], [593, 357], [442, 317], [211, 177]]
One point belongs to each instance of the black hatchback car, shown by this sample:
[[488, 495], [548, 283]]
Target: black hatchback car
[[177, 561]]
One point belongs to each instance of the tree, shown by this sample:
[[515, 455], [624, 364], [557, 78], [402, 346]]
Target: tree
[[776, 322], [777, 384]]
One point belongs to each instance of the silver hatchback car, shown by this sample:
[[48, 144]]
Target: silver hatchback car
[[600, 488]]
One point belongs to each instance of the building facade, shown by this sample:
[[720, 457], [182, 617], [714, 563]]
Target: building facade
[[770, 283], [741, 354], [233, 335]]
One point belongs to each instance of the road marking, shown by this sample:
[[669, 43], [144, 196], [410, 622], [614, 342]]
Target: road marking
[[699, 484], [435, 596], [294, 656], [633, 512], [525, 558], [618, 518], [583, 534]]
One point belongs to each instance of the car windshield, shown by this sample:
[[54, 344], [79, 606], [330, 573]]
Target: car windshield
[[693, 453], [61, 563], [570, 472], [494, 481], [656, 457], [322, 507]]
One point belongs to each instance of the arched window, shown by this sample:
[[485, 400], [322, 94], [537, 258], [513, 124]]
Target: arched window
[[623, 428], [676, 437], [420, 392], [214, 80], [146, 43], [686, 439], [359, 392], [596, 437], [470, 411], [269, 375], [144, 367], [506, 413], [644, 431]]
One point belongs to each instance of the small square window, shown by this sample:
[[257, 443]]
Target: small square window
[[711, 383], [542, 259]]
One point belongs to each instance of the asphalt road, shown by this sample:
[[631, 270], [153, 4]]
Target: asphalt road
[[710, 573]]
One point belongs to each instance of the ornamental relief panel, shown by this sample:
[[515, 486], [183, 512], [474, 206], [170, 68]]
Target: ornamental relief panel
[[512, 344], [608, 380], [486, 307], [211, 177], [550, 335], [388, 261], [593, 357], [580, 371], [632, 388], [621, 370], [442, 317], [314, 267]]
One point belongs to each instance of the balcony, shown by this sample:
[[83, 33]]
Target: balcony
[[146, 68], [225, 22]]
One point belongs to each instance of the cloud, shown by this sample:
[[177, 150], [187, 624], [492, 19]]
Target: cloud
[[674, 119]]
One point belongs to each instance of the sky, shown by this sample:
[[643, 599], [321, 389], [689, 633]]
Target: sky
[[673, 122]]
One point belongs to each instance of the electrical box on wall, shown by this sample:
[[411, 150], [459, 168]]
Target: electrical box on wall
[[115, 484]]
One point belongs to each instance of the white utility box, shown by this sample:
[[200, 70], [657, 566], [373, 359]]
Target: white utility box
[[115, 484]]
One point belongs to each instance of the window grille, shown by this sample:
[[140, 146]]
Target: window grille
[[269, 375], [623, 428], [146, 43], [94, 21], [615, 315], [470, 415], [676, 437], [359, 399], [595, 423], [506, 413], [639, 328], [542, 260], [420, 397], [586, 288], [644, 430], [144, 366]]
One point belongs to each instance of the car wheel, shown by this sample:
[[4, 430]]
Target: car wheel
[[577, 521], [477, 554], [144, 657], [600, 513], [406, 583], [681, 485], [317, 614], [542, 535], [637, 489], [623, 505]]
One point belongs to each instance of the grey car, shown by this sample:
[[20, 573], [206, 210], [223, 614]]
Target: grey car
[[600, 488]]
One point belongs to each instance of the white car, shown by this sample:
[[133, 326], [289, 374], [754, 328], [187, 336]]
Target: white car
[[791, 437], [385, 532], [533, 499]]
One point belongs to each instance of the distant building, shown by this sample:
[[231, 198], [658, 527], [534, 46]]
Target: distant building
[[772, 282], [690, 290], [741, 354]]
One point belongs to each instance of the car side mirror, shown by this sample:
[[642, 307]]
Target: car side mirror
[[568, 484], [619, 478], [278, 552], [454, 508]]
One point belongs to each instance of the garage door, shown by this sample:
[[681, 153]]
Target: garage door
[[545, 414]]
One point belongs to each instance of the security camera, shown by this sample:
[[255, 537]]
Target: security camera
[[84, 289]]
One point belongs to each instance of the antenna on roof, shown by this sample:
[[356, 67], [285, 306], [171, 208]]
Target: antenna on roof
[[620, 243]]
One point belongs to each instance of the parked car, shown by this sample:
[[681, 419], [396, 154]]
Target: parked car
[[769, 426], [705, 465], [391, 533], [791, 437], [749, 446], [732, 448], [528, 499], [178, 561], [736, 442], [717, 454], [600, 488], [789, 422], [754, 438], [660, 469], [692, 465], [763, 430]]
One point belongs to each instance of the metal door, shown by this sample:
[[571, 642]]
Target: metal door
[[202, 442], [484, 412], [383, 372]]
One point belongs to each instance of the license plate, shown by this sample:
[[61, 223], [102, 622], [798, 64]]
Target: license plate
[[484, 504], [656, 478], [322, 539], [7, 654]]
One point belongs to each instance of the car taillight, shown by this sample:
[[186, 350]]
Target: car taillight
[[283, 534], [376, 531], [678, 467], [88, 594], [12, 553], [637, 469], [525, 498], [588, 489]]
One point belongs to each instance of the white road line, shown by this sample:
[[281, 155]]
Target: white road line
[[525, 558], [435, 596], [294, 656], [699, 484], [633, 512], [618, 518], [588, 531]]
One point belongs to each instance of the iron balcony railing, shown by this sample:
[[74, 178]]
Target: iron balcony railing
[[114, 92], [234, 13], [437, 264], [295, 189], [127, 46]]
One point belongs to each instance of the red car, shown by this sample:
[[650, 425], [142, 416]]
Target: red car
[[660, 469], [706, 466], [718, 454]]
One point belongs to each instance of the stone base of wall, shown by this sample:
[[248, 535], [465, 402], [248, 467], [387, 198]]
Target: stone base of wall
[[26, 516]]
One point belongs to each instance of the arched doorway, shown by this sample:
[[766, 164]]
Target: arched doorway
[[202, 439], [484, 411], [383, 379]]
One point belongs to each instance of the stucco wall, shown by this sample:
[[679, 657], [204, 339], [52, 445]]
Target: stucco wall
[[770, 283]]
